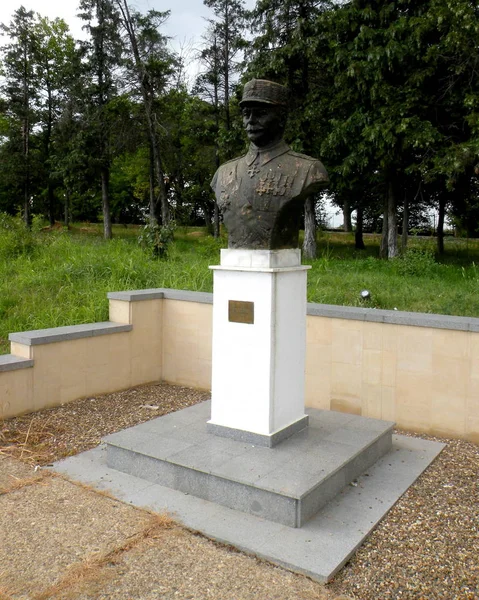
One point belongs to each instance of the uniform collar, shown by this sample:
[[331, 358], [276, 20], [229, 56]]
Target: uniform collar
[[266, 153]]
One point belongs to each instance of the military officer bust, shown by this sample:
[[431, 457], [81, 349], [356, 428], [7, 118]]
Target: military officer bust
[[261, 194]]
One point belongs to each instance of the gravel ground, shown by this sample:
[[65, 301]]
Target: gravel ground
[[426, 548]]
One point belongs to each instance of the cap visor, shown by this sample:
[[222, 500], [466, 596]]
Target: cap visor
[[253, 100]]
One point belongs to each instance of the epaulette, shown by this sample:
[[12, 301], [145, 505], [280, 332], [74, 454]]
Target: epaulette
[[304, 156], [232, 160]]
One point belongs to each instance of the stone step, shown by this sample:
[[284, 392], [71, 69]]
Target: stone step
[[286, 484]]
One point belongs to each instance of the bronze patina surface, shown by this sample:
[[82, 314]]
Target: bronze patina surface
[[261, 194], [240, 311]]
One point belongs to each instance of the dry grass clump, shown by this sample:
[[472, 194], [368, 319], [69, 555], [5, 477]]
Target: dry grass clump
[[19, 482], [49, 435], [25, 438], [95, 569]]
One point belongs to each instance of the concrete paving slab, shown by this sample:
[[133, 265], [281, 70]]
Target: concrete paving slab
[[71, 523], [318, 549], [179, 565], [13, 472]]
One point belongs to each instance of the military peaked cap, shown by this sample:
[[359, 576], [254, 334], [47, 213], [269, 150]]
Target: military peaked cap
[[267, 92]]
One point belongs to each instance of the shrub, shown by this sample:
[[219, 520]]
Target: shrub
[[157, 238], [417, 261], [15, 238]]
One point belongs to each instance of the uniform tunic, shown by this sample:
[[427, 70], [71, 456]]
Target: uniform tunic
[[261, 195]]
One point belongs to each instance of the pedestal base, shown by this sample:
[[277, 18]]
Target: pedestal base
[[268, 441], [287, 484]]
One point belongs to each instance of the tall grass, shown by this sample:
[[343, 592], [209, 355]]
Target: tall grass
[[62, 278], [53, 278]]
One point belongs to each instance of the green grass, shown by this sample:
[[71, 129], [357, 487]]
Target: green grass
[[54, 278], [416, 282]]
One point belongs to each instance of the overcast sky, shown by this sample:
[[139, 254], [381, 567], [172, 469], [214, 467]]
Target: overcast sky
[[186, 23], [185, 26]]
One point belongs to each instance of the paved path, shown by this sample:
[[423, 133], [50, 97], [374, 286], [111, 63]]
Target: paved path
[[61, 539]]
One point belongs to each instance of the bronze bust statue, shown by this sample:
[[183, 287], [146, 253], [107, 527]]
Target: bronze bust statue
[[261, 194]]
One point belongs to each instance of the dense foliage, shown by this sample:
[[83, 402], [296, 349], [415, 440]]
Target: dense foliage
[[386, 92]]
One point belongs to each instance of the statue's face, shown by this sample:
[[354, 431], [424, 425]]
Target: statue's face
[[263, 123]]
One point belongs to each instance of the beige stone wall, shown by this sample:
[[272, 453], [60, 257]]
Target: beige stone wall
[[16, 392], [425, 379], [187, 343], [70, 369]]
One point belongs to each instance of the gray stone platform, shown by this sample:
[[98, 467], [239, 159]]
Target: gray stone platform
[[287, 484], [319, 548]]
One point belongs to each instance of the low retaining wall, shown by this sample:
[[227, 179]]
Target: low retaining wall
[[419, 370]]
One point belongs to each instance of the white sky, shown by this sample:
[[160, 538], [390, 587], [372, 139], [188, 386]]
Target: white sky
[[185, 25]]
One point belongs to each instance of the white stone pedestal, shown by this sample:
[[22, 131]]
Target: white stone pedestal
[[259, 343]]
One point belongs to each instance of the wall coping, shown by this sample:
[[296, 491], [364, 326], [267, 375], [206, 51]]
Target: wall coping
[[160, 293], [356, 313], [394, 317], [70, 332], [9, 362]]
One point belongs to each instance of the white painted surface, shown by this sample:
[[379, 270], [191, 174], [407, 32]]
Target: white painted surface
[[258, 369]]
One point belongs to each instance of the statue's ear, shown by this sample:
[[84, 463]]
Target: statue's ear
[[283, 116]]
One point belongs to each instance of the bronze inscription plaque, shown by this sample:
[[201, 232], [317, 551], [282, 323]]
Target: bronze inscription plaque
[[240, 312]]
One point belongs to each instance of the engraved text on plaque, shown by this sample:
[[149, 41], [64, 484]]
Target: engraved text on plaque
[[240, 311]]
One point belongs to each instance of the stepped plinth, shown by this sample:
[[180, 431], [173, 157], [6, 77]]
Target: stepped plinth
[[286, 484]]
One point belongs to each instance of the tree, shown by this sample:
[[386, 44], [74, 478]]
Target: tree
[[453, 56], [152, 64], [226, 29], [190, 137], [20, 89], [380, 123], [104, 52], [57, 64]]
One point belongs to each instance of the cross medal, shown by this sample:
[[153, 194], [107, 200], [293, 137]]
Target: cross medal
[[253, 170]]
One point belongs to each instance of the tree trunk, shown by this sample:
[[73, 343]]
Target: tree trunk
[[216, 213], [51, 204], [392, 222], [309, 243], [348, 226], [383, 250], [66, 216], [226, 70], [26, 173], [105, 203], [216, 221], [440, 224], [48, 137], [153, 204], [26, 206], [358, 234], [405, 225]]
